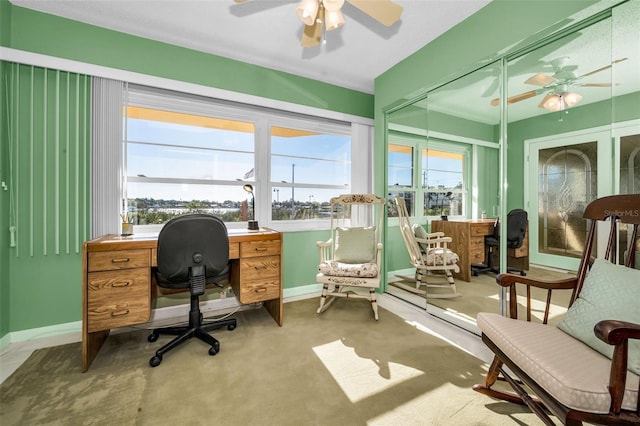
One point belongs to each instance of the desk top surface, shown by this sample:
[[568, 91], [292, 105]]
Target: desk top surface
[[121, 242], [489, 220]]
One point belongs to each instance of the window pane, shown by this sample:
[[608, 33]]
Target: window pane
[[392, 209], [310, 203], [170, 156], [304, 157], [307, 170], [151, 203], [400, 160]]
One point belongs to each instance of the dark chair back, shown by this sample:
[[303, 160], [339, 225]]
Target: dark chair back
[[191, 241], [516, 227]]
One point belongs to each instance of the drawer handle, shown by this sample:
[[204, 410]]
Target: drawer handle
[[119, 313], [121, 284], [260, 290], [261, 249], [120, 260]]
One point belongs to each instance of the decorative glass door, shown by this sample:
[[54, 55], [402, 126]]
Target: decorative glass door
[[563, 173]]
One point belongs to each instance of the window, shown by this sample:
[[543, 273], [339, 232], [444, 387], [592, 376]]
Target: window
[[442, 177], [433, 184], [307, 169], [184, 154]]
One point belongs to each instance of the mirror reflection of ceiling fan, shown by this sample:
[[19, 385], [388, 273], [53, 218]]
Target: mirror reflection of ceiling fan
[[319, 16], [556, 86]]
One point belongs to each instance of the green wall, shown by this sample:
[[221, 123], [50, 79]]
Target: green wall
[[45, 289]]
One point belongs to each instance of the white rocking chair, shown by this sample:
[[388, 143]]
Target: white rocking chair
[[430, 255], [350, 260]]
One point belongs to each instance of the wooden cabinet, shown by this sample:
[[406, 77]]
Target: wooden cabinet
[[116, 272], [468, 242], [256, 276]]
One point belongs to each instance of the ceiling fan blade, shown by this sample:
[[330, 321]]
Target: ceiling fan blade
[[596, 85], [312, 35], [384, 11], [603, 68], [540, 79], [516, 98]]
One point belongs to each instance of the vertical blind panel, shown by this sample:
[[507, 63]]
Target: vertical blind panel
[[49, 152], [106, 154]]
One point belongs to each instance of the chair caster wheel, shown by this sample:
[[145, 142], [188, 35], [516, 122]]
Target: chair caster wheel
[[523, 274], [231, 327], [152, 338], [155, 361], [214, 349]]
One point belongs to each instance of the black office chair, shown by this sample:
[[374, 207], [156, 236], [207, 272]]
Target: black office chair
[[193, 252], [516, 231]]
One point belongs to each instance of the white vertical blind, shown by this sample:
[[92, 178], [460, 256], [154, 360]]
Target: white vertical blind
[[106, 156]]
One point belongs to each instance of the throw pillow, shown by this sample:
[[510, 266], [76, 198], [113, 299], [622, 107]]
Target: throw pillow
[[609, 292], [355, 245], [421, 233]]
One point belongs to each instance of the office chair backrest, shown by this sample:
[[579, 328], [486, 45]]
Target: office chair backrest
[[189, 241], [516, 227]]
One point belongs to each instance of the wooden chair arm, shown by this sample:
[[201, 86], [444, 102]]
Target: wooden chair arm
[[434, 240], [322, 244], [507, 280], [617, 333], [511, 280], [324, 248]]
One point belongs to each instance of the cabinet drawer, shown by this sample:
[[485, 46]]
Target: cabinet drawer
[[118, 298], [260, 278], [476, 244], [259, 248], [476, 256], [481, 229], [121, 259]]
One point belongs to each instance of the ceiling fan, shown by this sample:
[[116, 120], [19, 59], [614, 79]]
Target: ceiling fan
[[326, 15], [556, 86]]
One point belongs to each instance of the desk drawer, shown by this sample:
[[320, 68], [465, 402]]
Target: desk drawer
[[478, 229], [259, 248], [259, 279], [121, 259], [116, 299]]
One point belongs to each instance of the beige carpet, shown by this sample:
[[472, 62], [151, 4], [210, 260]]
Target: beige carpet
[[482, 295], [338, 368]]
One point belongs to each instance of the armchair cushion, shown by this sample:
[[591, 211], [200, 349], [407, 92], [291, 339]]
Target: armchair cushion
[[609, 292], [339, 269], [355, 245]]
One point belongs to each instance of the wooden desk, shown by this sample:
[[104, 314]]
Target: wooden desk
[[117, 287], [468, 242]]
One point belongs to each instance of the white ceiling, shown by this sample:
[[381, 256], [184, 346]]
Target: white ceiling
[[268, 32]]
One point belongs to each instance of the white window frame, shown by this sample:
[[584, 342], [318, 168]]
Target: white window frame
[[263, 119], [439, 144]]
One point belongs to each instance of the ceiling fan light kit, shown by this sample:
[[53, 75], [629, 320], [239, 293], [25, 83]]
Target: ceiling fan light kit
[[560, 101], [315, 13]]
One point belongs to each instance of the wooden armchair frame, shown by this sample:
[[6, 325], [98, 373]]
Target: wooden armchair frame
[[350, 211], [619, 209], [419, 258]]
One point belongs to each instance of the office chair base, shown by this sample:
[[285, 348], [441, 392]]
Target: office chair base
[[186, 333]]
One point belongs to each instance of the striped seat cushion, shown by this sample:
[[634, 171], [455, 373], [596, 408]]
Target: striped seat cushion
[[566, 368]]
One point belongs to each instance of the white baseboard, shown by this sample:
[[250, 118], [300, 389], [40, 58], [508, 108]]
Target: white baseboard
[[73, 330]]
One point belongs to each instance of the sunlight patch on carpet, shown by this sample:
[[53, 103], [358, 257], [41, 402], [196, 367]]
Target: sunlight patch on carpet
[[360, 377]]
